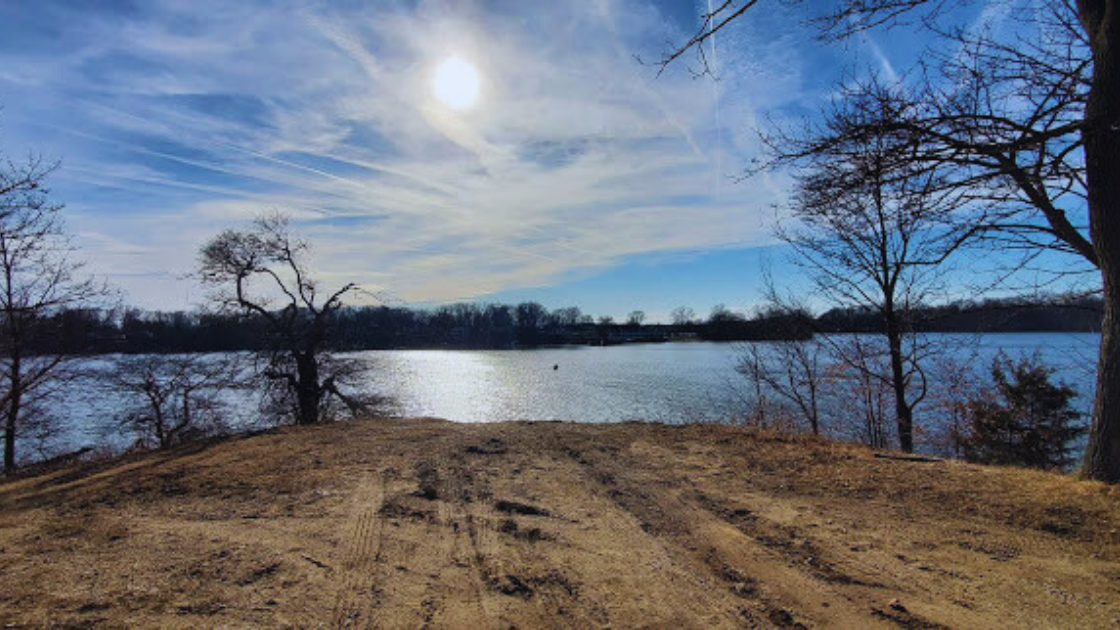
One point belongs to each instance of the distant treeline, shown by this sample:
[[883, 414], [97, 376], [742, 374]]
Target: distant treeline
[[524, 325], [1082, 314], [381, 327]]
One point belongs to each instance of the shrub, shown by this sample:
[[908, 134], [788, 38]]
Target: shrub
[[1028, 422]]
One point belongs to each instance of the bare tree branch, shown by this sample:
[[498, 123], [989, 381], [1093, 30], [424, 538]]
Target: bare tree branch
[[298, 369], [38, 279]]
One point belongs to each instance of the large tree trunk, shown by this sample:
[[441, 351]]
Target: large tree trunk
[[903, 413], [161, 427], [1101, 19], [308, 392], [1102, 456]]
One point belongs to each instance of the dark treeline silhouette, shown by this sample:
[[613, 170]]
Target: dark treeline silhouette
[[977, 316], [529, 324], [525, 325], [767, 325]]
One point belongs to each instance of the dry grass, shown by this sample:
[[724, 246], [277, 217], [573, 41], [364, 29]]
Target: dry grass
[[411, 523]]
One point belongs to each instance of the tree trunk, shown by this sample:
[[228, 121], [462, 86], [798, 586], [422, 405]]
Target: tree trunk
[[903, 413], [11, 418], [1102, 456], [810, 366], [166, 426], [9, 443], [185, 420], [161, 433], [814, 418], [308, 393], [1101, 19]]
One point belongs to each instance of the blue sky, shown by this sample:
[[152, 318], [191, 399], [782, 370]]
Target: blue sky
[[579, 177]]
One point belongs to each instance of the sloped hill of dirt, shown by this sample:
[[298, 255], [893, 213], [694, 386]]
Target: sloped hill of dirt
[[428, 523]]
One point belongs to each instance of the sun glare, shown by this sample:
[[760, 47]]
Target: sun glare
[[456, 83]]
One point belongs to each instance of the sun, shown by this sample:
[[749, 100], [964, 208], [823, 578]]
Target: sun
[[456, 83]]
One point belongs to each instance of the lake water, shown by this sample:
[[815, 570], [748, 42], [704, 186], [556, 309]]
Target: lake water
[[670, 382]]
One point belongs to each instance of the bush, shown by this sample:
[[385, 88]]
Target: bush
[[1028, 422]]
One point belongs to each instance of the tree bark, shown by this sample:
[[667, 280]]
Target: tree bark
[[1101, 134], [903, 414], [308, 392], [11, 418], [9, 443]]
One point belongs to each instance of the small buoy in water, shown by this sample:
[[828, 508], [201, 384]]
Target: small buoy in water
[[556, 366]]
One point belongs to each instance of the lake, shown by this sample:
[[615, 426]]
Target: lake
[[669, 382]]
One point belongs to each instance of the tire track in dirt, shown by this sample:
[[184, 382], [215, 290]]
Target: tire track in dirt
[[550, 586], [784, 593], [460, 551], [802, 553], [873, 582], [355, 600], [507, 591], [791, 543], [502, 593], [716, 596], [461, 555]]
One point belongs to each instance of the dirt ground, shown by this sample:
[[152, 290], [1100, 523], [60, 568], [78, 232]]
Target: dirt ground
[[409, 523]]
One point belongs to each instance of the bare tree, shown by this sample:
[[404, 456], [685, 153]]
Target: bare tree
[[568, 316], [872, 238], [635, 318], [866, 397], [1094, 119], [721, 314], [958, 384], [793, 371], [340, 377], [261, 273], [683, 316], [1000, 122], [531, 318], [38, 279], [175, 397]]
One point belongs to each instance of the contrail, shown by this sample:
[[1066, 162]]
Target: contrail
[[651, 93]]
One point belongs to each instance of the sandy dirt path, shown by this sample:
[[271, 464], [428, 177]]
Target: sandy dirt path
[[423, 523]]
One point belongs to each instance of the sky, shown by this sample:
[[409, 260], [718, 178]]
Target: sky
[[579, 176]]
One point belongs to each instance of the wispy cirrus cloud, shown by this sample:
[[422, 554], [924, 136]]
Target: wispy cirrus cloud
[[177, 120]]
